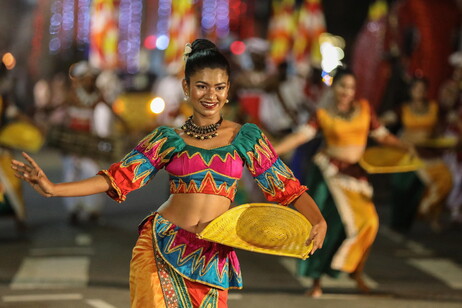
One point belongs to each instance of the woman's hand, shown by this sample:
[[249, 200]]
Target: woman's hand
[[306, 205], [34, 175], [317, 235]]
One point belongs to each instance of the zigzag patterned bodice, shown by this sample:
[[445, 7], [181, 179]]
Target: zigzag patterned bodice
[[196, 170], [209, 171]]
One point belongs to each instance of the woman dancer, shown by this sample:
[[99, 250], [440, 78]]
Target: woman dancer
[[170, 266], [338, 184], [422, 192]]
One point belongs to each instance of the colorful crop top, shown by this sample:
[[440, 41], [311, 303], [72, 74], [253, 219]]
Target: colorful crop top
[[209, 171]]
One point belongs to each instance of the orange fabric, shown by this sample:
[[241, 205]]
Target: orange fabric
[[146, 286], [340, 132], [425, 121], [198, 292]]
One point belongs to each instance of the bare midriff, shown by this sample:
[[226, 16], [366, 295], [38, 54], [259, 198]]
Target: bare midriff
[[193, 212], [350, 154]]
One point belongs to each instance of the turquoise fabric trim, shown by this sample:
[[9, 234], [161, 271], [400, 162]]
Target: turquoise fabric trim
[[143, 164], [173, 139], [269, 179], [160, 146]]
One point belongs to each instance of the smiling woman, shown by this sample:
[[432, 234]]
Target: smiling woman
[[339, 184], [171, 266]]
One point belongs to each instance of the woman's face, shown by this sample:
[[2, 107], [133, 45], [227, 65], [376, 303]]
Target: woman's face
[[207, 91], [345, 89], [418, 91]]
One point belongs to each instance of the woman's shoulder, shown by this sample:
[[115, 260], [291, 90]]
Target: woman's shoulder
[[248, 136], [232, 126], [238, 130], [165, 134], [164, 131], [247, 129]]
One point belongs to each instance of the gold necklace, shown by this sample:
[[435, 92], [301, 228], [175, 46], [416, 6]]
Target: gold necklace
[[201, 132]]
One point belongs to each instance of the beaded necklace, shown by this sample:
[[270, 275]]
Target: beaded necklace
[[201, 132]]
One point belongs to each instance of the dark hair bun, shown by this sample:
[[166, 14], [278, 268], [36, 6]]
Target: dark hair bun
[[204, 54], [203, 44]]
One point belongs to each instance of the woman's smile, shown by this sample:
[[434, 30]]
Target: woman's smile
[[209, 105]]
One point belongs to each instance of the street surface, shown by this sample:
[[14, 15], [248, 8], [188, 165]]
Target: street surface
[[53, 264]]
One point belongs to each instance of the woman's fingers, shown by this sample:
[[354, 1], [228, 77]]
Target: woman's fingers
[[26, 172], [23, 176], [19, 168], [318, 232], [316, 245], [312, 239], [22, 168], [31, 161]]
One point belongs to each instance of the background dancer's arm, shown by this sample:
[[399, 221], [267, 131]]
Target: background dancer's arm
[[392, 141], [291, 142], [34, 175]]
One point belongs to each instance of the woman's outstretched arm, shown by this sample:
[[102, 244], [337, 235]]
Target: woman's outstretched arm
[[34, 175]]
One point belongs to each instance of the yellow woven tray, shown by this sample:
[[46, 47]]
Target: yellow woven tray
[[22, 136], [389, 160], [262, 227]]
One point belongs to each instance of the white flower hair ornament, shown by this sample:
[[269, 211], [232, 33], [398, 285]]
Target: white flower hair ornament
[[187, 51]]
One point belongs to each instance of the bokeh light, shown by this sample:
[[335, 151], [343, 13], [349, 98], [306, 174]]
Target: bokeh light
[[157, 105], [237, 47], [331, 47], [9, 60], [118, 106], [162, 42], [150, 42]]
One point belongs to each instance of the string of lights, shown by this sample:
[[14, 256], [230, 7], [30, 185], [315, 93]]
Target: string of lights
[[130, 13], [163, 13], [56, 20], [83, 22]]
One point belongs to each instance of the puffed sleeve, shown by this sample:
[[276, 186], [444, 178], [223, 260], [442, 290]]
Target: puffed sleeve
[[310, 128], [275, 179], [376, 129], [139, 166]]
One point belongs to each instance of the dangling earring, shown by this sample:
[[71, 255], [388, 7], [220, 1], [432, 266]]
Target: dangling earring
[[186, 97], [227, 101]]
